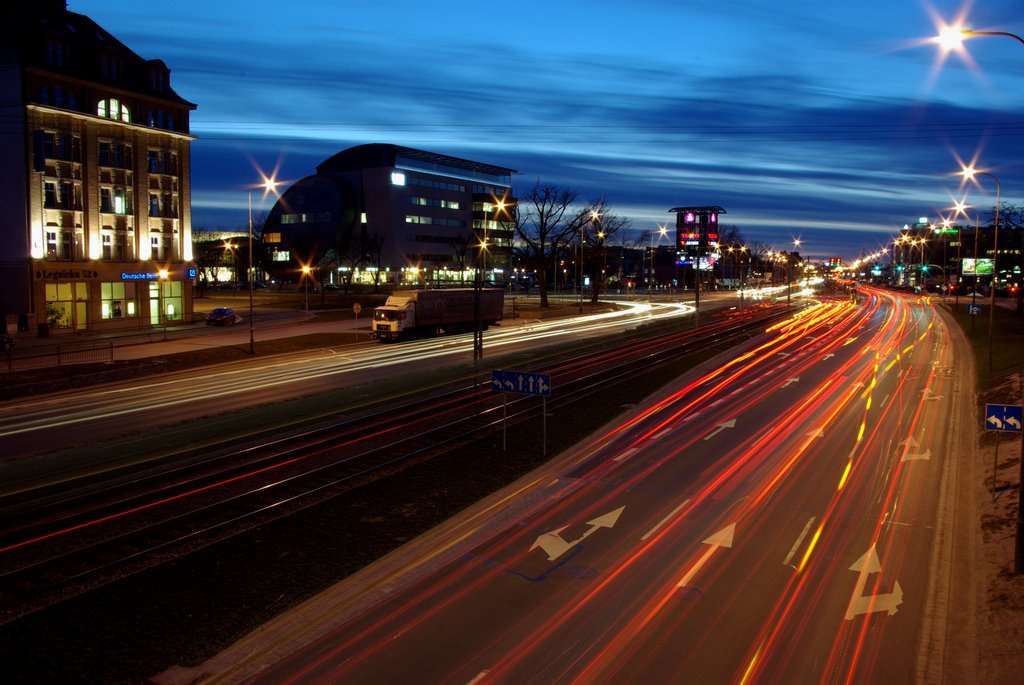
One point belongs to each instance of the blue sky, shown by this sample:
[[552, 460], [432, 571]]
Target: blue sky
[[833, 122]]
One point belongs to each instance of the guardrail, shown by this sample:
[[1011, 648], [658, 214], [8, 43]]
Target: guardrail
[[49, 356]]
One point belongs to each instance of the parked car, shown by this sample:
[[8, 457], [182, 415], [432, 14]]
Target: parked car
[[6, 343], [222, 316]]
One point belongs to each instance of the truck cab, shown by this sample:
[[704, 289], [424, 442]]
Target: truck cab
[[392, 319]]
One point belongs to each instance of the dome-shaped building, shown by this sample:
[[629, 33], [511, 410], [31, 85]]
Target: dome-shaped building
[[392, 214]]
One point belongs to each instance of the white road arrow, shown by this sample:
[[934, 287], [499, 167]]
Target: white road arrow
[[918, 456], [722, 538], [791, 381], [859, 604], [830, 355], [556, 546], [731, 423]]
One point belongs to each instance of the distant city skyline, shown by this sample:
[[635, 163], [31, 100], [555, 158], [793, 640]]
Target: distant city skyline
[[834, 124]]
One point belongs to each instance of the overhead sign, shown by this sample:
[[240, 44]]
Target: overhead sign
[[522, 382], [1004, 417]]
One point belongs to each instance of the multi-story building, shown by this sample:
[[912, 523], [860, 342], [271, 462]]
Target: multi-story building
[[390, 214], [96, 228]]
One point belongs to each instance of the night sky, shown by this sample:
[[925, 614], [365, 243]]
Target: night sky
[[832, 122]]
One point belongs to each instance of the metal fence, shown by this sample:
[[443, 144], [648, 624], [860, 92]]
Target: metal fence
[[49, 356]]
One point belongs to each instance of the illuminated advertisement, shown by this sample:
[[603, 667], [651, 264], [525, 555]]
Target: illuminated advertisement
[[979, 267]]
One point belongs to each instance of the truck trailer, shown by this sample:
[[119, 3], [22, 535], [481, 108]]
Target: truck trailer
[[426, 313]]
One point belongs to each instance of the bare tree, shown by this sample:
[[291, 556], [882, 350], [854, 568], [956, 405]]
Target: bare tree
[[545, 225], [373, 251], [460, 245]]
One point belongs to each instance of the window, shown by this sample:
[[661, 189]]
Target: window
[[56, 52], [110, 65], [157, 246], [61, 300], [113, 109], [154, 204], [157, 79], [120, 201], [153, 161], [116, 155], [117, 300], [171, 296], [397, 178]]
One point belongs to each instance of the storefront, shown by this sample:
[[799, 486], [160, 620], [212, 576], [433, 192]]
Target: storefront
[[105, 298]]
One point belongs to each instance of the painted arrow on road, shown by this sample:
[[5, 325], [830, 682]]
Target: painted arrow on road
[[731, 423], [791, 381], [859, 604], [555, 545], [722, 538]]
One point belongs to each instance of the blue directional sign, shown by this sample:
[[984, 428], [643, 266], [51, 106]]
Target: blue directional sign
[[974, 309], [1004, 417], [522, 382]]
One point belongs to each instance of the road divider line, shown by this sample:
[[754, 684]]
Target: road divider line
[[799, 540]]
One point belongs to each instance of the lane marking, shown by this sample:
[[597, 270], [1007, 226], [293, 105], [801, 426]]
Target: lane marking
[[799, 540], [663, 521]]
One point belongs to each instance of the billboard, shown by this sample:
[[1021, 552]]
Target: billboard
[[978, 267]]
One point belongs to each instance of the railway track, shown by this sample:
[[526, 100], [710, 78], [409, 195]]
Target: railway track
[[62, 544]]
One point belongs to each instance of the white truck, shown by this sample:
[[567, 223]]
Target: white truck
[[426, 313]]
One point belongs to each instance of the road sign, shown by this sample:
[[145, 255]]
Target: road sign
[[522, 382], [974, 309], [1004, 417]]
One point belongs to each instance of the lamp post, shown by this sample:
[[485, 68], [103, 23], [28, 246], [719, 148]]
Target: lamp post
[[305, 284], [969, 173], [252, 329], [662, 232], [268, 185]]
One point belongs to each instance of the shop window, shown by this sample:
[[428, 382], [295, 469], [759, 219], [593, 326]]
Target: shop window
[[117, 300]]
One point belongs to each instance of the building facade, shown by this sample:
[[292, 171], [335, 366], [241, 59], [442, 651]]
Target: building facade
[[390, 214], [96, 232]]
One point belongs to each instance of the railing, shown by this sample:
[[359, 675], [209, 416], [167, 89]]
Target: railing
[[49, 356]]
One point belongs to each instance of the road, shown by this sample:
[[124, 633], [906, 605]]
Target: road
[[778, 518], [40, 424]]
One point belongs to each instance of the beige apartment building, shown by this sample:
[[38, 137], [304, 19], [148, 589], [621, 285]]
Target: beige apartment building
[[96, 232]]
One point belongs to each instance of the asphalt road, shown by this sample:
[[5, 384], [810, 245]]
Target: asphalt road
[[783, 516]]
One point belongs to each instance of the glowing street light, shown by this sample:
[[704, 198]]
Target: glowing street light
[[305, 285], [953, 37], [269, 185], [970, 173]]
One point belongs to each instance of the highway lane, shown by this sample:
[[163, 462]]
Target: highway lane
[[772, 520], [50, 422]]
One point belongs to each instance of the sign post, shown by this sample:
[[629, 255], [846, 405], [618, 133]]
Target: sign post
[[1008, 418], [523, 383]]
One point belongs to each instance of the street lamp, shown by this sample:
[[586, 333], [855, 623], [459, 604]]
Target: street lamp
[[952, 37], [305, 284], [268, 185], [594, 218], [970, 173], [662, 232]]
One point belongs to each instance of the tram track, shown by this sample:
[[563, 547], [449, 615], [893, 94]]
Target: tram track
[[55, 547]]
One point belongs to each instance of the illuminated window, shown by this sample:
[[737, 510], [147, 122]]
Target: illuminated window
[[113, 109], [114, 302], [397, 178]]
